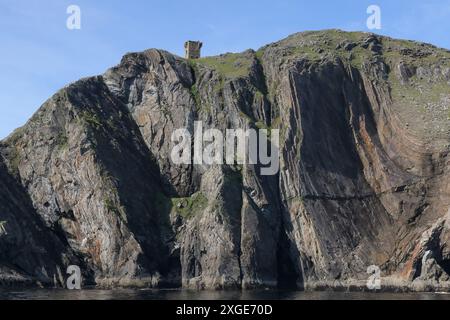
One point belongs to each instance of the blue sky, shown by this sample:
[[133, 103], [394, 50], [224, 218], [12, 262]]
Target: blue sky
[[39, 55]]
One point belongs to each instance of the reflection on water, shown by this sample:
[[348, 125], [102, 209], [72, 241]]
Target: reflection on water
[[150, 294]]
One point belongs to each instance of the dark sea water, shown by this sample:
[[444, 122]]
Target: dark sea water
[[133, 294]]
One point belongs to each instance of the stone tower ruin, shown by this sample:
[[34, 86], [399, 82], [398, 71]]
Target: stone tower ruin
[[193, 49]]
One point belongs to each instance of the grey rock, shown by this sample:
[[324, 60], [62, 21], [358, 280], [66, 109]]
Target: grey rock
[[89, 181]]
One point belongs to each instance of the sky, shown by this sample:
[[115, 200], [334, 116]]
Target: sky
[[39, 55]]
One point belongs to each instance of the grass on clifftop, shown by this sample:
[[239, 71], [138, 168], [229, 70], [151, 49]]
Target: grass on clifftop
[[229, 65], [316, 45]]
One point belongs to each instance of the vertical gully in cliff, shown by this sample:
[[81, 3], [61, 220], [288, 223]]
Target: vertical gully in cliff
[[286, 270]]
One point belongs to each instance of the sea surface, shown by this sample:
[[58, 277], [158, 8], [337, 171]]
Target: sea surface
[[176, 294]]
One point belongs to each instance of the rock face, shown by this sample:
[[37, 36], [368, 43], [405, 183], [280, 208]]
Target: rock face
[[364, 178]]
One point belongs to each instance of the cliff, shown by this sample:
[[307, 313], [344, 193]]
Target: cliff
[[364, 175]]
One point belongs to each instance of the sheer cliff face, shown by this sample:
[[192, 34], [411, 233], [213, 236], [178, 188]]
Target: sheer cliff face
[[364, 178]]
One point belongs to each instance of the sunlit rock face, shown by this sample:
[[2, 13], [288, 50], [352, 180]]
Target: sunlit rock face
[[364, 173]]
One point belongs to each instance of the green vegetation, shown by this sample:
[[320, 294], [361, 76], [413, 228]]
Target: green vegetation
[[245, 116], [311, 53], [15, 159], [227, 66], [192, 63], [407, 51], [196, 95], [230, 65], [15, 137], [357, 50], [259, 54], [109, 204], [295, 199], [358, 56], [112, 207], [259, 96], [314, 46], [191, 206], [276, 123], [91, 119], [429, 93], [262, 125], [201, 105], [15, 144], [62, 141]]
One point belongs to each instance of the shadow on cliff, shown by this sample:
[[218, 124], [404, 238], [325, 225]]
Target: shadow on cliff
[[28, 248]]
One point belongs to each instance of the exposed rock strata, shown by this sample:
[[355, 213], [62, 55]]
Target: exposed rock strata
[[364, 177]]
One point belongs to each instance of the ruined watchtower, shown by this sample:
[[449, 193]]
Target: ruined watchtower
[[193, 49]]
